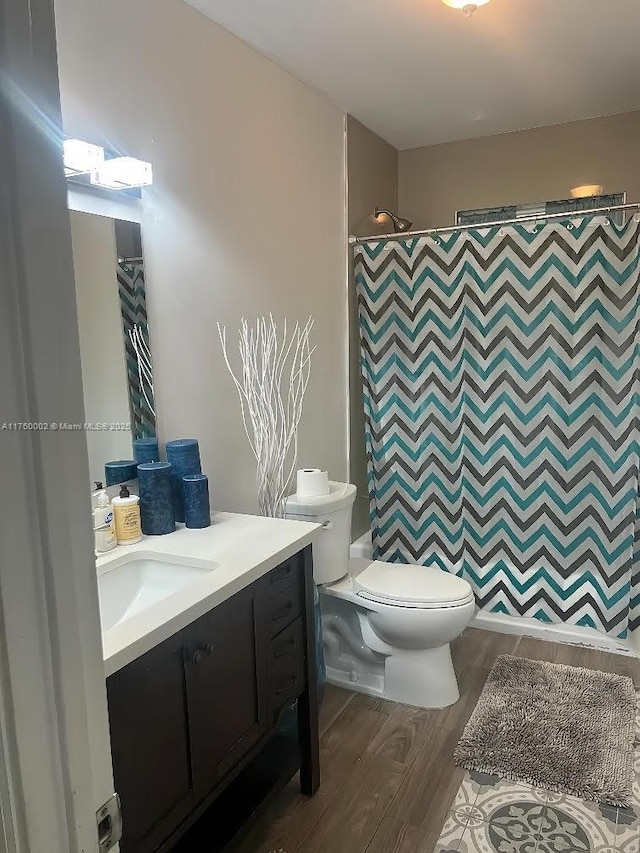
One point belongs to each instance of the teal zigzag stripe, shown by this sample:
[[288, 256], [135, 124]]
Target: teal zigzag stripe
[[505, 486], [432, 443]]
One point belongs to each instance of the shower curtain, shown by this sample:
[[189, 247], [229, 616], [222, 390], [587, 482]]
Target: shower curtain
[[501, 383], [133, 310]]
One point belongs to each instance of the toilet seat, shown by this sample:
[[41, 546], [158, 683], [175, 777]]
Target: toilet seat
[[411, 586]]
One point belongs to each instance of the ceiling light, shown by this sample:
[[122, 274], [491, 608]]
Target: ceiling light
[[122, 173], [587, 190], [81, 157], [465, 6]]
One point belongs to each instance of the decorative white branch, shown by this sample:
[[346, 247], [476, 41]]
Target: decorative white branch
[[145, 365], [271, 388]]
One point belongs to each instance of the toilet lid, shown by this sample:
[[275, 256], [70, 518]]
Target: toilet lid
[[412, 586]]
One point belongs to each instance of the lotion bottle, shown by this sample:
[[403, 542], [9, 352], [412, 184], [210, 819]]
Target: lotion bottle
[[126, 511], [103, 525]]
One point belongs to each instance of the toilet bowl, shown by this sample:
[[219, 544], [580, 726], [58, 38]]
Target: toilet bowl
[[386, 626]]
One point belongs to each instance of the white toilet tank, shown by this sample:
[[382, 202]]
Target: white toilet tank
[[333, 512]]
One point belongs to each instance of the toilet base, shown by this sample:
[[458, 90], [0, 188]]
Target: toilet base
[[423, 678], [362, 662], [357, 658]]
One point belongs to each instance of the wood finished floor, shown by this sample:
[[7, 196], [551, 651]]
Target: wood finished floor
[[388, 777]]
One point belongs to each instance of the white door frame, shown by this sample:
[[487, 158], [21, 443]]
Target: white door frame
[[55, 762]]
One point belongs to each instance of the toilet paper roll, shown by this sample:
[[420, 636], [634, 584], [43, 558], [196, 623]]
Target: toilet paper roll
[[312, 483]]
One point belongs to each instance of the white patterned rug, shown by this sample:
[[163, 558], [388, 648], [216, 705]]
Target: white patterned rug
[[492, 815]]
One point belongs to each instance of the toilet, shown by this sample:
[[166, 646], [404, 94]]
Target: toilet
[[386, 626]]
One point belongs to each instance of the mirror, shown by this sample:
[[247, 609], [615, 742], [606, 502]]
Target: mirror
[[117, 371]]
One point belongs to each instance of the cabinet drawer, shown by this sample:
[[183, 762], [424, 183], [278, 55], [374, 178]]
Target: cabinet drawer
[[285, 665], [287, 647], [283, 608], [282, 577]]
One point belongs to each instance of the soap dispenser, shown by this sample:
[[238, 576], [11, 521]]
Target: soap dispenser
[[103, 524], [126, 511], [94, 494]]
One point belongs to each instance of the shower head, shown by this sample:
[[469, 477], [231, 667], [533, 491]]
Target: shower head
[[399, 223]]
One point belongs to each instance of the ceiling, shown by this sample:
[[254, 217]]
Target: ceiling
[[419, 73]]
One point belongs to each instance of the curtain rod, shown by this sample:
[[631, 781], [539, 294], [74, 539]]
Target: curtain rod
[[404, 235]]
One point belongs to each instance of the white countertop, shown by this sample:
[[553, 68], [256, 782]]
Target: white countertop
[[239, 549]]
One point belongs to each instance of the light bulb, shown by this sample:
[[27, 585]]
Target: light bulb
[[587, 190], [121, 173], [81, 157], [465, 5]]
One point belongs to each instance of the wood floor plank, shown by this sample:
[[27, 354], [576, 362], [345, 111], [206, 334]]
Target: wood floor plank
[[374, 703], [354, 729], [333, 704], [625, 665], [292, 816], [581, 656], [403, 734], [395, 837], [288, 831], [481, 648], [431, 784], [530, 647], [355, 814], [499, 644], [288, 823]]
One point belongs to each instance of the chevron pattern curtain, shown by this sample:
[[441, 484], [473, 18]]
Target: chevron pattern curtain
[[501, 375], [133, 309]]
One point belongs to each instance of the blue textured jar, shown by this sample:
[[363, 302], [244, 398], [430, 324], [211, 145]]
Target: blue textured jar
[[120, 471], [197, 510], [184, 456], [146, 450], [156, 499]]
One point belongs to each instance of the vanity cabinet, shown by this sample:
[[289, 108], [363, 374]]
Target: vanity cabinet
[[150, 742], [225, 671], [188, 715]]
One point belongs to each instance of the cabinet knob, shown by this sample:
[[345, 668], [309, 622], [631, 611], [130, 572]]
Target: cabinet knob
[[209, 648], [197, 657]]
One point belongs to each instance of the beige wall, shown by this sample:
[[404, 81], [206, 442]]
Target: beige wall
[[514, 168], [246, 215], [104, 373], [372, 175]]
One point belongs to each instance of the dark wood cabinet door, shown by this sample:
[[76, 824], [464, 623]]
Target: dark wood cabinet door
[[226, 686], [150, 744]]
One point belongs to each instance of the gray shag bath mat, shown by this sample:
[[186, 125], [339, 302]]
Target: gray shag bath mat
[[557, 727]]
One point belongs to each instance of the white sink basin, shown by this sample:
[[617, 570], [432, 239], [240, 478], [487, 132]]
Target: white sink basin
[[138, 584]]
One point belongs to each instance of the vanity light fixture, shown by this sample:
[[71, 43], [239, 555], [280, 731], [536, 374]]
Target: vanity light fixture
[[399, 224], [81, 158], [122, 173], [465, 6]]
